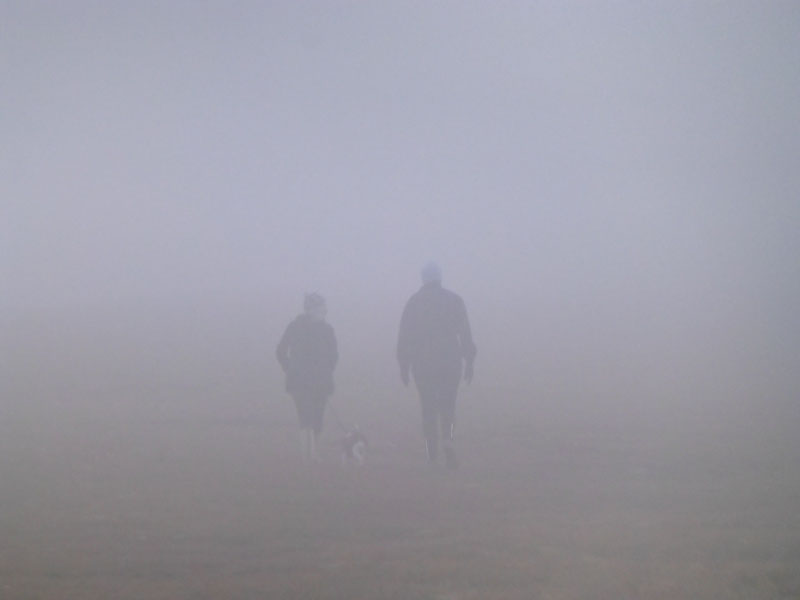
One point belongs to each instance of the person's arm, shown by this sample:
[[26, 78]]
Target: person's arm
[[468, 350], [282, 351], [333, 351], [404, 345]]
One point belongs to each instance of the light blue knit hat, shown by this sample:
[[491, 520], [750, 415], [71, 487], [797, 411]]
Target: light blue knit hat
[[431, 272]]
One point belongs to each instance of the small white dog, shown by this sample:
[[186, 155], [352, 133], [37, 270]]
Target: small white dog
[[354, 448]]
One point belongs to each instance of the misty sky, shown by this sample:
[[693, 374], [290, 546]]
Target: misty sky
[[618, 169]]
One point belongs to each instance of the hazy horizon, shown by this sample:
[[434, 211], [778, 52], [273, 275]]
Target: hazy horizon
[[621, 173]]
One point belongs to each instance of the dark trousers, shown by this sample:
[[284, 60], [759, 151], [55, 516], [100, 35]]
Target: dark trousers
[[437, 394], [310, 410]]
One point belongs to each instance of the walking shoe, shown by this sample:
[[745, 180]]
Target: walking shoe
[[432, 450]]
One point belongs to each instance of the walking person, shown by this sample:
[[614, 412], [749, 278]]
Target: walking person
[[308, 354], [435, 346]]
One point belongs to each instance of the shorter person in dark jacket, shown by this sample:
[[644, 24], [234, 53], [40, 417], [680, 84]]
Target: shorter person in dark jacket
[[307, 353], [435, 345]]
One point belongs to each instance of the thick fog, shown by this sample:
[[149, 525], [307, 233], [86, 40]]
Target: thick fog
[[611, 187]]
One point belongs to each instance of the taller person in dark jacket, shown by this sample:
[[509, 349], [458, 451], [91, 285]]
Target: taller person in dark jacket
[[435, 346], [307, 353]]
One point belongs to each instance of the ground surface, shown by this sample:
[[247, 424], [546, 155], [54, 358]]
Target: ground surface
[[196, 494]]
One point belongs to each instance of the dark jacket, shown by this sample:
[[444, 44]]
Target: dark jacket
[[435, 336], [307, 353]]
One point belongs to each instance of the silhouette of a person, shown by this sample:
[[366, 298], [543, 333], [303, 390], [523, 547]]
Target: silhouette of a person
[[435, 346], [308, 354]]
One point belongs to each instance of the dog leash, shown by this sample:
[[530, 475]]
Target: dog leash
[[335, 412]]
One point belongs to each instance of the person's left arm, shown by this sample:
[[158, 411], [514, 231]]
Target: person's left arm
[[468, 349], [333, 350]]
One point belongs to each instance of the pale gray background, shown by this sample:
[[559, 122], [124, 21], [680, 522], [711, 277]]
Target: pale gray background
[[612, 187]]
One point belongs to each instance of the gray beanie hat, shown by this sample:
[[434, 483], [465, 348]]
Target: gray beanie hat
[[313, 301]]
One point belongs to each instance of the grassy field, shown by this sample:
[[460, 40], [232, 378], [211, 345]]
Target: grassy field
[[199, 494]]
